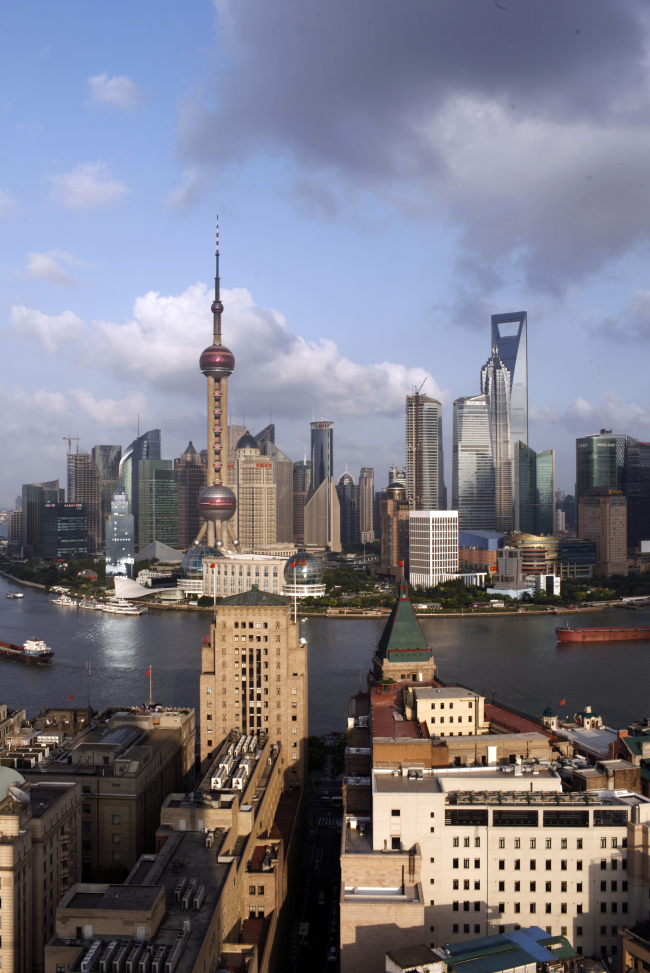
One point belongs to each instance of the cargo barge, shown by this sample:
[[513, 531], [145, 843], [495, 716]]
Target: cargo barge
[[34, 652], [602, 634]]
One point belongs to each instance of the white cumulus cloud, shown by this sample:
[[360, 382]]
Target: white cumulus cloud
[[51, 330], [112, 413], [47, 266], [119, 91], [167, 334], [38, 413], [88, 184]]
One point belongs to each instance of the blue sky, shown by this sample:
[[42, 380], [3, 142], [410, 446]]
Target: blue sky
[[387, 175]]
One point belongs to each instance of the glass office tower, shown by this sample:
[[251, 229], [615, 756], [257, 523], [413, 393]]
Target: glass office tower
[[596, 461], [146, 446], [495, 386], [120, 541], [65, 531], [157, 503], [510, 342], [34, 498], [107, 462], [533, 490], [545, 490], [322, 452], [472, 465]]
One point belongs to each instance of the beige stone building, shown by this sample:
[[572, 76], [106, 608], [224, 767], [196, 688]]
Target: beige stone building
[[447, 710], [254, 678], [252, 481], [125, 768], [322, 517], [39, 863], [235, 573], [602, 517], [394, 531], [218, 891]]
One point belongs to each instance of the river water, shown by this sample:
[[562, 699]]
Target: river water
[[518, 657]]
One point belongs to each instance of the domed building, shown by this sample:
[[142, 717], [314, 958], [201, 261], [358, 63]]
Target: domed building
[[191, 579], [303, 576]]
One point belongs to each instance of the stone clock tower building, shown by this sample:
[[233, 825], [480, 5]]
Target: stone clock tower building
[[254, 678]]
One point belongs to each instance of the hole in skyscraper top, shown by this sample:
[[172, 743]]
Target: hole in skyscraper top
[[509, 329]]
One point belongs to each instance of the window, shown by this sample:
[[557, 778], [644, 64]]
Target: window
[[533, 864], [116, 856], [549, 864], [533, 886], [603, 865], [502, 908], [517, 886], [466, 884], [579, 845], [465, 862], [85, 808], [603, 907], [533, 842], [563, 907], [603, 842], [251, 890], [517, 907], [455, 883], [548, 886], [563, 865], [260, 888], [603, 886], [455, 907], [465, 906], [533, 907], [614, 907], [548, 842], [548, 906], [579, 887], [455, 927], [502, 842], [502, 886], [477, 863], [517, 864], [517, 842], [563, 887], [614, 842], [502, 864], [466, 841], [455, 842], [579, 908], [455, 863], [116, 839], [579, 865], [477, 886], [614, 886], [623, 906], [578, 930], [395, 844]]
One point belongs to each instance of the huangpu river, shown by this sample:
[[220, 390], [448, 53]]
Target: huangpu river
[[516, 657]]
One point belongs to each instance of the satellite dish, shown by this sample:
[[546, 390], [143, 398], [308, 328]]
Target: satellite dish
[[19, 795]]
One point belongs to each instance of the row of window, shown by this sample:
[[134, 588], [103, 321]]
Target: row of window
[[470, 704], [251, 625], [459, 719]]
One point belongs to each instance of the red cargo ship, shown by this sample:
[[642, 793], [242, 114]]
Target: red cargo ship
[[602, 634]]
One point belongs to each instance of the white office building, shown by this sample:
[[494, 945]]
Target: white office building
[[433, 546]]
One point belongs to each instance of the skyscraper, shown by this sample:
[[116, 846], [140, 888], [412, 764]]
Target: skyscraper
[[256, 493], [192, 476], [367, 505], [472, 477], [65, 531], [510, 343], [301, 482], [34, 498], [322, 508], [602, 517], [146, 446], [621, 462], [394, 532], [107, 461], [533, 490], [84, 487], [424, 455], [157, 503], [283, 479], [348, 494], [495, 386], [120, 540], [322, 452]]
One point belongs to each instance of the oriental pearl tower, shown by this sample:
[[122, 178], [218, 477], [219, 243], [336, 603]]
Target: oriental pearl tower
[[216, 502]]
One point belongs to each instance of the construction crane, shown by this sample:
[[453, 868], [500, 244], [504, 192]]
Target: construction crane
[[69, 440]]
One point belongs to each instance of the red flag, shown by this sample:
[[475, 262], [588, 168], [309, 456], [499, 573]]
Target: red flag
[[563, 702], [401, 564], [147, 673], [213, 565], [71, 697]]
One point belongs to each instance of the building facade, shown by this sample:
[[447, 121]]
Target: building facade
[[510, 342], [146, 446], [348, 494], [433, 546], [34, 498], [256, 491], [283, 480], [65, 531], [367, 505], [233, 574], [301, 483], [192, 477], [107, 463], [120, 536], [84, 486], [15, 526], [394, 532], [157, 503], [254, 678], [533, 490], [472, 465], [322, 452], [323, 517], [425, 485], [602, 518]]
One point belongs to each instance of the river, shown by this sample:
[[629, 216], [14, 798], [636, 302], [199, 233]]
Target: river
[[517, 657]]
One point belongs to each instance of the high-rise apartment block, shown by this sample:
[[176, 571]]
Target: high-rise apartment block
[[34, 498], [157, 503], [107, 463], [192, 477], [472, 465], [602, 517], [367, 505], [254, 678], [301, 483], [620, 462], [256, 491], [15, 526], [424, 454], [84, 486], [120, 536], [433, 547], [65, 531]]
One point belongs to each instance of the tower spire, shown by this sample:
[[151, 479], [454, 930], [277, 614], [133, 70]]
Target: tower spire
[[217, 306]]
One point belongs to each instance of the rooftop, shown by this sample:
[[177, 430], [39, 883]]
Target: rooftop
[[45, 796], [402, 632], [511, 721], [255, 599], [122, 898], [443, 692]]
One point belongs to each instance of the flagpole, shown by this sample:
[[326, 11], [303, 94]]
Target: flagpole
[[150, 693]]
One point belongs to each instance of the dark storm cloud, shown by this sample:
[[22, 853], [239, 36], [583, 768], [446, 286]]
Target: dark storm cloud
[[524, 127]]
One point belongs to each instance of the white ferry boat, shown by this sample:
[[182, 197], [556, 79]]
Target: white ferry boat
[[120, 606], [66, 601], [15, 594], [90, 604]]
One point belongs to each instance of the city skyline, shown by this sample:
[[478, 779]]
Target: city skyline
[[112, 179]]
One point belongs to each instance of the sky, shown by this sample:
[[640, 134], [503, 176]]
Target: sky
[[387, 175]]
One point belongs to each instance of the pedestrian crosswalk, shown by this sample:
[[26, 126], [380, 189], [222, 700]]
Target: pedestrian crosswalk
[[328, 822]]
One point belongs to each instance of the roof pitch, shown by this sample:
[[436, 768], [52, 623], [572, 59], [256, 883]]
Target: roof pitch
[[255, 597], [402, 629]]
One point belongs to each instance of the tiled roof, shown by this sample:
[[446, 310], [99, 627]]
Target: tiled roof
[[402, 631]]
